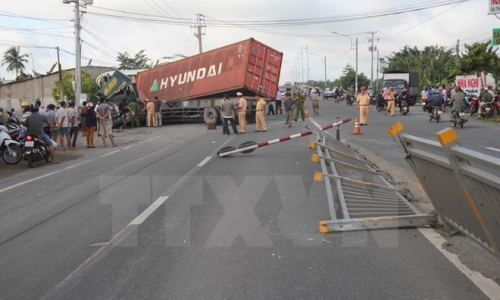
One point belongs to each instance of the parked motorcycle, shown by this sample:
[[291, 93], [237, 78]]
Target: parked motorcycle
[[436, 114], [459, 117], [35, 149], [381, 103], [474, 104], [488, 110], [10, 148]]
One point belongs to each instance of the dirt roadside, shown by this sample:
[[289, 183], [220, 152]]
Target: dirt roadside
[[470, 253]]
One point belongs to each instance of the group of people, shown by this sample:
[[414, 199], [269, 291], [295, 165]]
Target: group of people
[[6, 116], [283, 103]]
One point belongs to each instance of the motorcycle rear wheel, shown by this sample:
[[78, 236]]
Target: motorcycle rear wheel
[[31, 162], [461, 123], [16, 156]]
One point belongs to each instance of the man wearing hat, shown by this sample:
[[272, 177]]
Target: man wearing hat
[[260, 121], [315, 101], [242, 112]]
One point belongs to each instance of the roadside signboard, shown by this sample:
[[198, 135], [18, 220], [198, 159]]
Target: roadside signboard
[[494, 7], [496, 36]]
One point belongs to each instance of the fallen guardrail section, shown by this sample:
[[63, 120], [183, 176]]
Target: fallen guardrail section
[[359, 197], [462, 184]]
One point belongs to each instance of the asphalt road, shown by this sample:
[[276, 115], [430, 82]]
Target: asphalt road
[[162, 217]]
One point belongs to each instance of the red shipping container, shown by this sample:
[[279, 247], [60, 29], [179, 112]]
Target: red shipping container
[[247, 66]]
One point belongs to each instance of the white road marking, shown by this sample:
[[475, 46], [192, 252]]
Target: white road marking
[[39, 177], [148, 211], [107, 154], [486, 285], [128, 147], [203, 162], [494, 149]]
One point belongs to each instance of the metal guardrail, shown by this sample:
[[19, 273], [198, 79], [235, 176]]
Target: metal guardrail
[[463, 185], [359, 197]]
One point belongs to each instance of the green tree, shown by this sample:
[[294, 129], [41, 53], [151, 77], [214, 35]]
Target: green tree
[[14, 60], [88, 86], [139, 61], [349, 78], [479, 58], [434, 64]]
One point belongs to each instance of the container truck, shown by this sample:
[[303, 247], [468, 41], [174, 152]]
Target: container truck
[[192, 88], [400, 79]]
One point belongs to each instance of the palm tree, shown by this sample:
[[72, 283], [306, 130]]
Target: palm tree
[[14, 60]]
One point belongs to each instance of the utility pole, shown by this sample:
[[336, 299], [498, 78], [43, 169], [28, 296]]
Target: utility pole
[[199, 24], [356, 77], [34, 74], [61, 93], [355, 45], [78, 71], [458, 52], [307, 57], [324, 62], [372, 49], [378, 65]]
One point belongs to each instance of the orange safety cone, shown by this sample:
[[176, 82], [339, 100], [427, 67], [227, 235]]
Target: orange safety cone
[[357, 129], [306, 113]]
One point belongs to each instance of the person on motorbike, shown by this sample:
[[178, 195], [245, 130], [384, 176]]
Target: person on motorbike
[[435, 101], [402, 97], [35, 123], [425, 94], [484, 97], [457, 100]]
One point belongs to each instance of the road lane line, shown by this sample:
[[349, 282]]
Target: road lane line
[[203, 162], [494, 149], [128, 147], [107, 154], [39, 177], [148, 211], [486, 285]]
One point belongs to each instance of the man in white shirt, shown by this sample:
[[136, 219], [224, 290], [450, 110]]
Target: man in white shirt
[[62, 121]]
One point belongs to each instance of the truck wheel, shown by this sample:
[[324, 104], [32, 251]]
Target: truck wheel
[[250, 117], [212, 115]]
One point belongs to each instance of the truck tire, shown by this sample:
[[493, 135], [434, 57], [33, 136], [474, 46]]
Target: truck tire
[[250, 117], [212, 115]]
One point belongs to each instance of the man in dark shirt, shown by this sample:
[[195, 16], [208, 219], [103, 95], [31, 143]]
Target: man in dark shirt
[[227, 112], [158, 115], [288, 105], [35, 123], [435, 101]]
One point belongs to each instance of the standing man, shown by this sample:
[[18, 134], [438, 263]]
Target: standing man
[[150, 117], [363, 101], [315, 101], [35, 123], [103, 113], [289, 105], [390, 102], [260, 122], [51, 117], [242, 112], [158, 116], [134, 114], [62, 121], [73, 124], [227, 112], [279, 98], [299, 107]]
